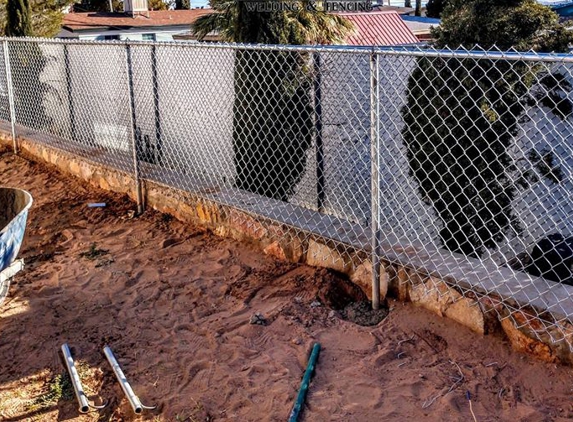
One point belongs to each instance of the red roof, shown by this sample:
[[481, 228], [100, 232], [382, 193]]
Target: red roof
[[93, 20], [379, 28]]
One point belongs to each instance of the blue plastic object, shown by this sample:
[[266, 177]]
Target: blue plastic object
[[14, 206]]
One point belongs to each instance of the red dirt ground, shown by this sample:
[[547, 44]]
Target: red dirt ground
[[174, 302]]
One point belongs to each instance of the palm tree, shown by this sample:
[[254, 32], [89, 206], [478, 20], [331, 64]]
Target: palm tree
[[272, 109], [235, 23]]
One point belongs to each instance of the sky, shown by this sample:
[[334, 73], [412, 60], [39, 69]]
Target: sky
[[199, 3]]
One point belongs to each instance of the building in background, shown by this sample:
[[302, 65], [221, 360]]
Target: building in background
[[136, 23], [379, 29], [563, 7], [421, 26], [371, 29]]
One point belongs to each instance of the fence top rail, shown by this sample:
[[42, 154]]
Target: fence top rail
[[477, 53]]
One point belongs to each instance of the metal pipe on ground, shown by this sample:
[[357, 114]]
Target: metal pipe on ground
[[76, 382], [134, 401]]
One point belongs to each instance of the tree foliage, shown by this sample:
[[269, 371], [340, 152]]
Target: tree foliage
[[18, 18], [434, 8], [182, 4], [236, 23], [157, 5], [83, 6], [272, 123], [462, 115], [46, 16], [520, 24], [27, 61], [418, 8]]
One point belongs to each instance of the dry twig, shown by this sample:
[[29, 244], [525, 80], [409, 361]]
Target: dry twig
[[457, 382]]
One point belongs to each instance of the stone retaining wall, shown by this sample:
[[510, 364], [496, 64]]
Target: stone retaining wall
[[484, 314]]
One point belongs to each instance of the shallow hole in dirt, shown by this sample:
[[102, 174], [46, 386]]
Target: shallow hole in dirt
[[361, 313], [339, 293]]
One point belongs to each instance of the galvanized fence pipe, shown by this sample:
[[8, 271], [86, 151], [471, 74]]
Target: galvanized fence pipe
[[10, 90], [156, 105], [133, 130], [375, 176], [318, 120], [69, 91]]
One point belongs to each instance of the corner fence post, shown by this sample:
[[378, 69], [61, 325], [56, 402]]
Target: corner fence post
[[375, 177], [10, 94], [133, 130]]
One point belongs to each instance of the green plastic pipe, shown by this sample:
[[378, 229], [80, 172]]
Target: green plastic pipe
[[304, 385]]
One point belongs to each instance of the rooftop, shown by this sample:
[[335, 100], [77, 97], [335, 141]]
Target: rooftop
[[420, 25], [379, 28], [155, 18], [399, 9]]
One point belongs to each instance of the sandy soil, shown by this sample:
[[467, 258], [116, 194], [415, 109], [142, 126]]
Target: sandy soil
[[175, 304]]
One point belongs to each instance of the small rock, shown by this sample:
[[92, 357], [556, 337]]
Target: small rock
[[315, 304], [296, 341], [258, 319], [298, 299], [168, 242], [331, 314]]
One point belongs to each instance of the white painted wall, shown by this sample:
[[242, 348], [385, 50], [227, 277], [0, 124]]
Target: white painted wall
[[135, 34]]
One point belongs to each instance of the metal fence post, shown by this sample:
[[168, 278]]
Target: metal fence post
[[320, 194], [158, 158], [375, 177], [133, 130], [70, 93], [10, 94]]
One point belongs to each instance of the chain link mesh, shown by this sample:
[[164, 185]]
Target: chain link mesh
[[472, 154]]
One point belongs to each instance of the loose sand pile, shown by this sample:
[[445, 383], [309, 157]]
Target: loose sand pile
[[175, 303]]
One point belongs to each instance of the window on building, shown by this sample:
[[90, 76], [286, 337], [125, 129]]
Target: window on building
[[148, 37], [111, 37]]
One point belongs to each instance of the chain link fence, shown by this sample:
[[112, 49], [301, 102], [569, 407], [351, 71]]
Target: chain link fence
[[455, 164]]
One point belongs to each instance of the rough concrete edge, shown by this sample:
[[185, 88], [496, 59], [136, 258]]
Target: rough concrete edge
[[483, 315]]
